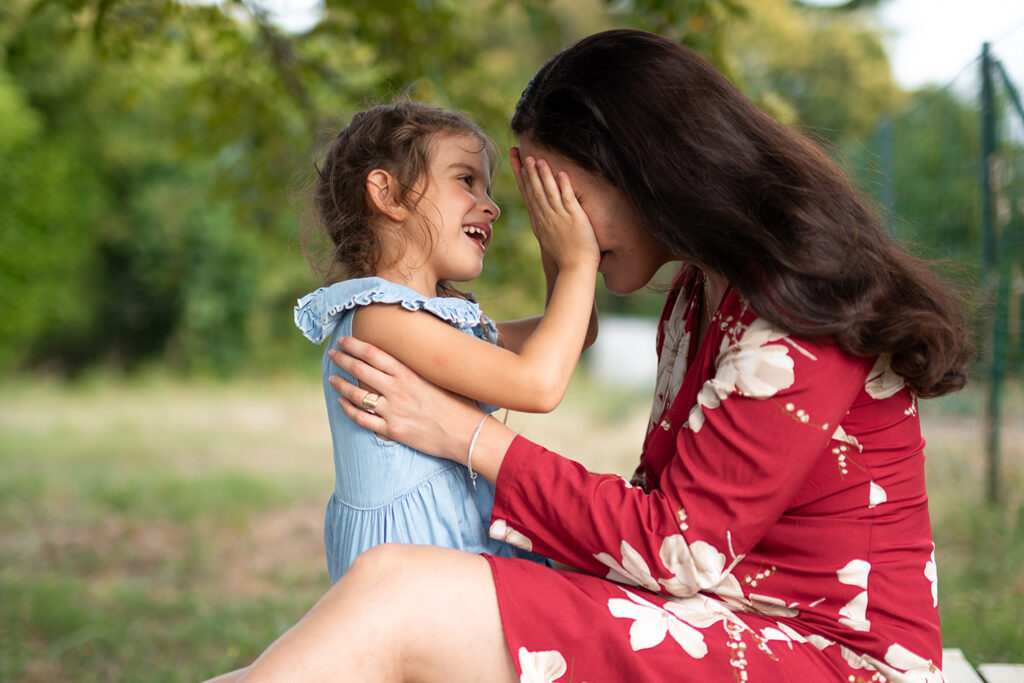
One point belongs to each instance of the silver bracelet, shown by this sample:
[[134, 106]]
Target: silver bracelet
[[469, 456]]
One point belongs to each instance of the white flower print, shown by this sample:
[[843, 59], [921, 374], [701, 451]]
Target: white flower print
[[750, 367], [841, 435], [697, 566], [931, 573], [501, 531], [911, 410], [900, 665], [545, 666], [681, 518], [772, 606], [729, 591], [784, 633], [914, 668], [858, 661], [672, 361], [633, 571], [702, 611], [652, 623], [855, 573], [820, 642], [854, 613], [882, 382], [876, 495]]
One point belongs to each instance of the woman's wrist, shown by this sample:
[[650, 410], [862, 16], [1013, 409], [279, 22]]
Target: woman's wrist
[[488, 449]]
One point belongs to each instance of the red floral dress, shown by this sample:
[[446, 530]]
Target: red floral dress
[[781, 531]]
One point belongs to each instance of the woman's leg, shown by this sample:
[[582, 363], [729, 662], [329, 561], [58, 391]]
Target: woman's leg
[[401, 613]]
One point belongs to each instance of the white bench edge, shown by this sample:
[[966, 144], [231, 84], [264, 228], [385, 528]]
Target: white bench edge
[[956, 668]]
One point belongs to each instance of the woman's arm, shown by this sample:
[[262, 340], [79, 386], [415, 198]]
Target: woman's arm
[[737, 467], [535, 376], [414, 411]]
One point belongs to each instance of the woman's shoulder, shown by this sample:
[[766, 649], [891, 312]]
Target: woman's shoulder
[[745, 332], [316, 312]]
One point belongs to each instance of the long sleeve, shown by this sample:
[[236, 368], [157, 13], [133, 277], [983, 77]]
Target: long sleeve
[[754, 419], [780, 511]]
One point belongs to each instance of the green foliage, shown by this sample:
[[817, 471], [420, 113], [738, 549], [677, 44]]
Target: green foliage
[[701, 24], [824, 71], [933, 170], [923, 165], [154, 147], [154, 152]]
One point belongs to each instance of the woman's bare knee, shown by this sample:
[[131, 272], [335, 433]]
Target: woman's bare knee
[[379, 563], [446, 610], [401, 613]]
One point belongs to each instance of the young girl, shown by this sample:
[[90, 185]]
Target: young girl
[[404, 196]]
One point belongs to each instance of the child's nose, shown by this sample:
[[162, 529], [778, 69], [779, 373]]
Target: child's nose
[[492, 209]]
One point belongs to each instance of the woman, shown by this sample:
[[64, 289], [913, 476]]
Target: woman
[[777, 527]]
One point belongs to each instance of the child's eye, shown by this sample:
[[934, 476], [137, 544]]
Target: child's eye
[[468, 179]]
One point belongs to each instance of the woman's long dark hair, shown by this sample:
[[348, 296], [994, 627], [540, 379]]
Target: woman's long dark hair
[[721, 184]]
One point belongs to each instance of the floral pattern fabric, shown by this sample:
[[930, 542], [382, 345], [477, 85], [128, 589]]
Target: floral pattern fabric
[[780, 532]]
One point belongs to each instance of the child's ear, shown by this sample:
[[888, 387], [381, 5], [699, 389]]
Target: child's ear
[[382, 189]]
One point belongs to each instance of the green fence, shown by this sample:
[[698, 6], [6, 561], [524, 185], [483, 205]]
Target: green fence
[[949, 171]]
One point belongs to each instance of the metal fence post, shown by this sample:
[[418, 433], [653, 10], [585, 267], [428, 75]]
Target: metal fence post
[[990, 274]]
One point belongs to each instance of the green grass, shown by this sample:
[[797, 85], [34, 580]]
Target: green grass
[[162, 530], [979, 545], [158, 530]]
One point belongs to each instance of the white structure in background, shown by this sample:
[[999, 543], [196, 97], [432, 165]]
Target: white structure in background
[[624, 353]]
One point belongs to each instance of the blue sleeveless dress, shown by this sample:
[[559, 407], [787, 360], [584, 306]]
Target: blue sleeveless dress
[[384, 491]]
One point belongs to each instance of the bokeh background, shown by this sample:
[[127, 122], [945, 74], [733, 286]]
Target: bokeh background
[[164, 453]]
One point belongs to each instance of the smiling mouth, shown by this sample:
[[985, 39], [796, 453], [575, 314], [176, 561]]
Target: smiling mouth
[[479, 233]]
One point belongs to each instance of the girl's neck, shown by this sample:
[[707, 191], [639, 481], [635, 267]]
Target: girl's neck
[[414, 278], [407, 259]]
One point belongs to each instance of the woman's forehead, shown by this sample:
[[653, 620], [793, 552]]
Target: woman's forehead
[[577, 174]]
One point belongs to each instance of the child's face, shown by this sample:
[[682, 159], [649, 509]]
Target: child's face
[[457, 208]]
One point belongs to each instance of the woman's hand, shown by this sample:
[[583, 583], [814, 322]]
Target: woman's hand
[[562, 228], [409, 408]]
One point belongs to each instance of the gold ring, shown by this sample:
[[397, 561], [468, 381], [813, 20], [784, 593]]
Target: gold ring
[[370, 401]]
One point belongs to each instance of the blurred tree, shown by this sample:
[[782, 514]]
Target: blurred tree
[[935, 173], [154, 152], [150, 148], [52, 198], [826, 71], [700, 24]]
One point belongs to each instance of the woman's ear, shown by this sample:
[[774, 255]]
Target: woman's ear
[[382, 189]]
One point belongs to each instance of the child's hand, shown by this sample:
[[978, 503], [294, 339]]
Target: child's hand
[[561, 226]]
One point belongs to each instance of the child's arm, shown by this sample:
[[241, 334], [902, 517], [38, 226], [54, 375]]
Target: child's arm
[[512, 334], [535, 378]]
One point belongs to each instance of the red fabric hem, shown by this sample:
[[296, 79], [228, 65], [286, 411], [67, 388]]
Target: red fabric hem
[[505, 486], [501, 592]]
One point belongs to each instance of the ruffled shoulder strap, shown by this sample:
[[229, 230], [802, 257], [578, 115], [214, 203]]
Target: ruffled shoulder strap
[[317, 312]]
